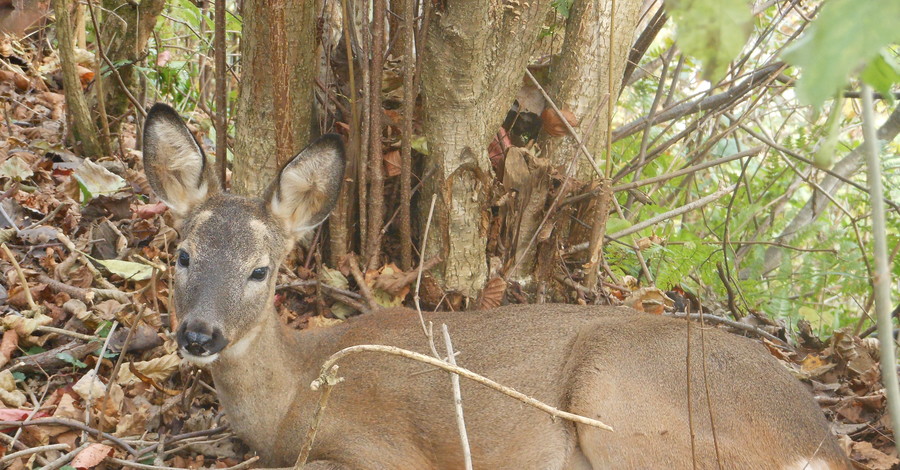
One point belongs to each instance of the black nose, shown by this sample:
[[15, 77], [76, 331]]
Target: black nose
[[200, 339]]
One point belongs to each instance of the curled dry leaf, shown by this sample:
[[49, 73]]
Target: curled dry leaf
[[89, 386], [650, 300], [25, 326], [157, 369], [492, 294], [392, 163], [8, 346], [319, 321], [554, 126], [9, 394], [91, 456]]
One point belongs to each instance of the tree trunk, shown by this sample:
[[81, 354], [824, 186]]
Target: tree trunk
[[581, 77], [581, 86], [255, 164], [125, 36], [79, 116], [474, 59]]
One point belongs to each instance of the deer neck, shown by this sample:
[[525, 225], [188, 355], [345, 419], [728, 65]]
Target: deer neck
[[257, 378]]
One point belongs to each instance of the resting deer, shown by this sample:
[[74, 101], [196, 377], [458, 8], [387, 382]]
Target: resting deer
[[625, 368]]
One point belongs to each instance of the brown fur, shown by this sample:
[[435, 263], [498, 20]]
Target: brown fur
[[625, 368]]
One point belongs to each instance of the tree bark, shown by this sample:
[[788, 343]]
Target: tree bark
[[255, 162], [474, 59], [79, 114], [125, 36], [581, 85], [581, 77]]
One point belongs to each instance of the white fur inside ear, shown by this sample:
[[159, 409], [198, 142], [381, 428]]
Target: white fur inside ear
[[298, 199], [178, 165]]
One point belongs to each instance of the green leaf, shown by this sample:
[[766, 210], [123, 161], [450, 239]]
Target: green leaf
[[420, 144], [34, 350], [825, 154], [126, 269], [713, 31], [882, 73], [562, 7], [19, 376], [844, 36], [66, 357], [615, 224]]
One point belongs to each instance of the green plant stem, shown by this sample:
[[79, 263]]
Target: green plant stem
[[881, 281]]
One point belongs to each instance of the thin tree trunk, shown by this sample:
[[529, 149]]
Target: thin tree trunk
[[83, 124], [255, 162], [125, 36], [473, 63]]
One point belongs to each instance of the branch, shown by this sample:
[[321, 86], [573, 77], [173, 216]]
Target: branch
[[702, 104], [330, 367]]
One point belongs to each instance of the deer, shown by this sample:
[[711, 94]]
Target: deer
[[626, 368]]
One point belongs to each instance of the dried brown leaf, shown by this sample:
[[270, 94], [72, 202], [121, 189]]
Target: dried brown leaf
[[492, 294]]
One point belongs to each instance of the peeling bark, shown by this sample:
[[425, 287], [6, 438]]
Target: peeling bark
[[474, 58], [580, 78]]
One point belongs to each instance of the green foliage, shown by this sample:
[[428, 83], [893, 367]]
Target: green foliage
[[562, 7], [846, 35], [68, 358], [713, 31]]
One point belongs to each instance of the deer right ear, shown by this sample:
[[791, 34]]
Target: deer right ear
[[175, 165]]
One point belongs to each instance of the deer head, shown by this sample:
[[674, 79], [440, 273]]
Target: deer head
[[231, 246]]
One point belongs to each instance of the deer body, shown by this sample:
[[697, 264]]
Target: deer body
[[624, 368]]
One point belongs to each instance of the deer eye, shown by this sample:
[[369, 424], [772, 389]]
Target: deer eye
[[259, 274], [184, 259]]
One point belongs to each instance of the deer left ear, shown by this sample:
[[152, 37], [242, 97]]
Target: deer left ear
[[307, 187], [175, 165]]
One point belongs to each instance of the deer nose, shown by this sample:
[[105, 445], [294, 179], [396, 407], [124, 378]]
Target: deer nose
[[200, 339]]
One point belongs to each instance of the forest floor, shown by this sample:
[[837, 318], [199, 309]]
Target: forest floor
[[85, 295]]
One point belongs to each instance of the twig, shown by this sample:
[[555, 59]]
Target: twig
[[881, 282], [734, 324], [66, 458], [328, 370], [675, 174], [421, 268], [49, 216], [105, 141], [128, 463], [457, 401], [661, 217], [361, 283], [71, 334], [22, 280], [121, 358], [75, 425], [327, 380], [115, 71], [408, 105], [33, 450], [376, 158]]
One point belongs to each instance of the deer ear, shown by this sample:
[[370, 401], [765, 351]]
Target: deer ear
[[175, 165], [307, 187]]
